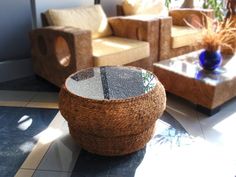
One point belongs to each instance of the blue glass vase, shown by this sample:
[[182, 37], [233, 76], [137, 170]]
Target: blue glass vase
[[210, 60]]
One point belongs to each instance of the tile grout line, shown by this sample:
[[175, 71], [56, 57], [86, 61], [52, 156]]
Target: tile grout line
[[41, 158], [30, 100], [41, 106], [49, 170], [53, 170], [62, 123], [168, 110], [36, 169], [24, 103], [197, 115], [33, 173]]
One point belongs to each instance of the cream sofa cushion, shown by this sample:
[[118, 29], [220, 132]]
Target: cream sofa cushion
[[118, 51], [91, 18], [147, 7], [184, 36]]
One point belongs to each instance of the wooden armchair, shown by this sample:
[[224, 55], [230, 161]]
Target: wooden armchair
[[175, 36], [64, 47]]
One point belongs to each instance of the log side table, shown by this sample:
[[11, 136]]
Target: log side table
[[112, 110], [184, 77]]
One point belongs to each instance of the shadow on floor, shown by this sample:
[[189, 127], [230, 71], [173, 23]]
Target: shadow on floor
[[31, 83], [169, 132], [18, 128]]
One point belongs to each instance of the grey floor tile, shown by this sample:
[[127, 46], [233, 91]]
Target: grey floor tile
[[220, 133], [44, 100], [185, 113], [219, 129], [15, 98], [30, 83], [91, 165], [45, 139], [170, 136], [61, 155], [24, 173], [39, 173]]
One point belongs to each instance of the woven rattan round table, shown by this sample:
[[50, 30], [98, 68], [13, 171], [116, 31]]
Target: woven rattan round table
[[112, 110]]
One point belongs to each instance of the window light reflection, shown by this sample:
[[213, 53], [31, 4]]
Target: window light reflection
[[230, 66], [183, 161], [103, 25], [149, 80], [116, 45], [176, 110], [24, 122], [48, 135], [227, 126], [26, 146]]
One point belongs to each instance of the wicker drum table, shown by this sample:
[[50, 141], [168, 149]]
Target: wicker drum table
[[112, 110]]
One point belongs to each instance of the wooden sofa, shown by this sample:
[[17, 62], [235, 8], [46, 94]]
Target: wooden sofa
[[73, 39], [175, 36]]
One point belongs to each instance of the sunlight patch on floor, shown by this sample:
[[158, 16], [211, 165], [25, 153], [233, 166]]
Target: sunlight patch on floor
[[48, 135]]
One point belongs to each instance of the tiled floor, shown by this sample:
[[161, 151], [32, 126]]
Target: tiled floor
[[186, 144], [29, 99], [20, 129]]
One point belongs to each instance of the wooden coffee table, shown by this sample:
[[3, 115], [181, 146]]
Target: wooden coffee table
[[112, 110], [184, 77]]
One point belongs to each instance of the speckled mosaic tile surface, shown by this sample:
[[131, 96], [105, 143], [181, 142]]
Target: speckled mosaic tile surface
[[19, 128]]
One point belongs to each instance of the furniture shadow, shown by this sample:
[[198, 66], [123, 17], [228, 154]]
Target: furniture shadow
[[91, 165]]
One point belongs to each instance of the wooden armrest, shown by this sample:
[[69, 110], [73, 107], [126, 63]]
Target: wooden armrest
[[78, 41], [165, 37], [60, 30], [134, 27], [144, 28], [64, 49], [192, 16]]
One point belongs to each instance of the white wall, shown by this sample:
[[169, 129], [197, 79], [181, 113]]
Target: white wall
[[39, 6], [15, 22]]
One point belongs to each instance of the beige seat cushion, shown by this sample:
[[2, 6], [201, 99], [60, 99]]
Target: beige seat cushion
[[118, 51], [91, 18], [145, 7], [184, 36]]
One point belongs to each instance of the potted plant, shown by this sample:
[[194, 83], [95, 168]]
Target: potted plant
[[216, 35], [217, 6]]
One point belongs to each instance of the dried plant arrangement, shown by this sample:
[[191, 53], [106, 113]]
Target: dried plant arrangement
[[217, 35]]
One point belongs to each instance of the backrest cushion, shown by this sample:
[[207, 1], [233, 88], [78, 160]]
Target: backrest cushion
[[145, 7], [90, 18]]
